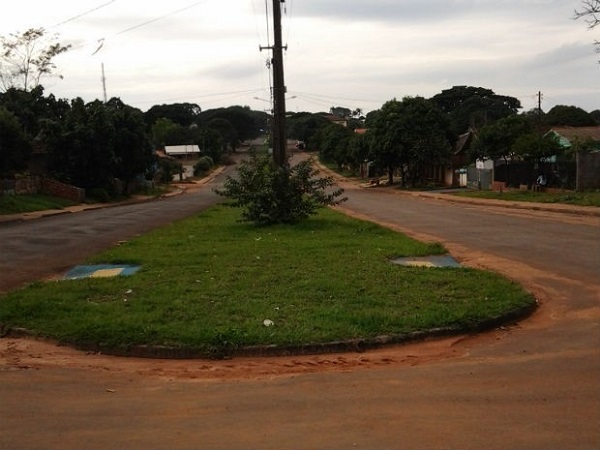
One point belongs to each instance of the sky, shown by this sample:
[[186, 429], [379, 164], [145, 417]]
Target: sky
[[350, 53]]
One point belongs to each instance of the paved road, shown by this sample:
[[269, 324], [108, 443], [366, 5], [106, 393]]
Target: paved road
[[531, 386], [35, 249]]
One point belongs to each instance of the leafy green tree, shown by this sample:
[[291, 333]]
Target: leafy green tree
[[184, 114], [340, 111], [334, 144], [131, 146], [304, 127], [166, 132], [32, 107], [536, 148], [386, 140], [269, 194], [229, 135], [359, 151], [82, 153], [98, 142], [474, 107], [210, 142], [497, 140], [572, 116], [409, 136], [247, 123], [27, 57], [15, 148]]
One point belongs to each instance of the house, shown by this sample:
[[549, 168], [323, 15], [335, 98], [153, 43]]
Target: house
[[453, 173], [588, 161], [188, 155], [573, 136], [183, 151]]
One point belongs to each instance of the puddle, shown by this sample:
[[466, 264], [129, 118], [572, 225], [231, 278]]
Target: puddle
[[427, 261], [101, 271]]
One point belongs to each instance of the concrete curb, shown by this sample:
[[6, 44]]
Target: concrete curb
[[180, 189], [343, 346], [590, 211]]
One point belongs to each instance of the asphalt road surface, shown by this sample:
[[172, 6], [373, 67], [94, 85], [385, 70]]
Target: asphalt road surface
[[532, 385]]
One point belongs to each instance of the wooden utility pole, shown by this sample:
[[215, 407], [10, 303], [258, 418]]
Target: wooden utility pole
[[279, 138]]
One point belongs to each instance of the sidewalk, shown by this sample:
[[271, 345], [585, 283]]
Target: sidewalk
[[177, 189], [532, 206], [181, 188], [590, 211]]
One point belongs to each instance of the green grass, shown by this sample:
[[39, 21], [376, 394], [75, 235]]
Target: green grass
[[209, 282], [16, 204], [589, 198]]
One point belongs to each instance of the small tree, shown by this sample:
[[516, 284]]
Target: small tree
[[409, 135], [27, 57], [269, 194]]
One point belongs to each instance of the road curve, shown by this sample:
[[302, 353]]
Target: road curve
[[529, 386]]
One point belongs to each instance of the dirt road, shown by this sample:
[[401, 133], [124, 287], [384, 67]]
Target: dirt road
[[534, 385]]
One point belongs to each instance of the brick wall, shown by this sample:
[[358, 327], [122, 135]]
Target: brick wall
[[58, 189], [36, 184]]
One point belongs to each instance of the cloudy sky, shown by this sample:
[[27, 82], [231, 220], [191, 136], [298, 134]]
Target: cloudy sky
[[351, 53]]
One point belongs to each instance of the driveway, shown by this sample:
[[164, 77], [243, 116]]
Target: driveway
[[532, 385]]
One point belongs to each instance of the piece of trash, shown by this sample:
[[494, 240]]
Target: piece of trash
[[112, 391], [128, 291], [268, 323]]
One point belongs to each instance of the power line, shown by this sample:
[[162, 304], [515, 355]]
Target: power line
[[78, 16], [148, 22]]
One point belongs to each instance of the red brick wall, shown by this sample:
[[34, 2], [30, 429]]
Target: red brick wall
[[58, 189], [34, 184]]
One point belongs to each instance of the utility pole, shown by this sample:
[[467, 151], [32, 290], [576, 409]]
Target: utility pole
[[278, 136]]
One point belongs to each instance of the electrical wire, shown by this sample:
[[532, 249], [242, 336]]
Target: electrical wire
[[78, 16], [148, 22]]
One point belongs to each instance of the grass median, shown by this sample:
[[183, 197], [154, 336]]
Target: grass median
[[214, 285]]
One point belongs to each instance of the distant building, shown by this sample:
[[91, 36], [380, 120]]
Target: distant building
[[183, 151], [569, 136]]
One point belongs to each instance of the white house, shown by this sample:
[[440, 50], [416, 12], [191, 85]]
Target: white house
[[183, 151]]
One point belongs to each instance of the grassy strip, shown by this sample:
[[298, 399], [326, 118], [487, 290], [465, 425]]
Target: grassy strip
[[590, 198], [15, 204], [209, 283]]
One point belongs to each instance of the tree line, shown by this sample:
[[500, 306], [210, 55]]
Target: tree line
[[90, 145], [407, 136]]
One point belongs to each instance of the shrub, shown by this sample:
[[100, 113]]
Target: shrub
[[269, 194], [203, 165]]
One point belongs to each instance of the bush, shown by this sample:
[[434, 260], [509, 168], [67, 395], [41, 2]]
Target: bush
[[167, 169], [268, 194], [203, 165]]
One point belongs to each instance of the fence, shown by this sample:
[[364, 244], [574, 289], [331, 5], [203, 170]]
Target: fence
[[588, 170], [558, 175]]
